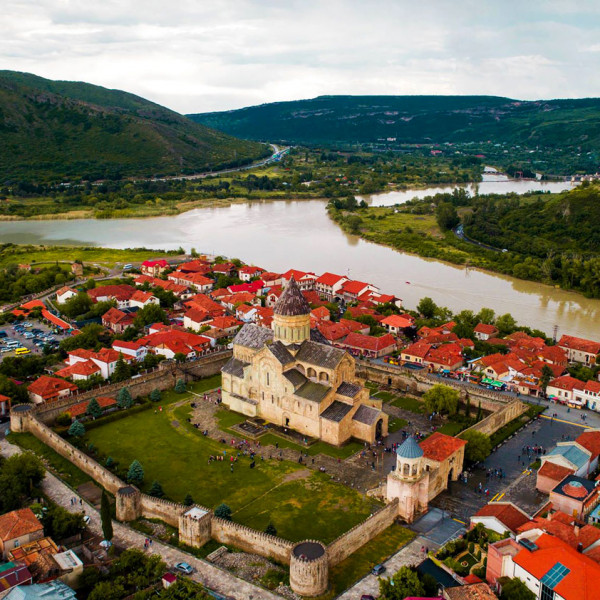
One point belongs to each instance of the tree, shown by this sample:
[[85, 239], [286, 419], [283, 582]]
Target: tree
[[354, 222], [76, 305], [404, 583], [156, 490], [188, 500], [545, 378], [19, 475], [223, 512], [124, 399], [94, 409], [59, 523], [506, 324], [151, 313], [106, 517], [122, 370], [107, 590], [110, 461], [486, 315], [427, 307], [441, 398], [180, 386], [155, 395], [478, 446], [479, 415], [468, 406], [446, 216], [515, 589], [135, 474], [179, 357], [270, 529], [77, 429]]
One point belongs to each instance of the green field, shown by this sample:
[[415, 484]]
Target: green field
[[299, 502]]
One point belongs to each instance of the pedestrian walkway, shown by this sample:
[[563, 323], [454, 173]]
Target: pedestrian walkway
[[410, 555], [209, 575]]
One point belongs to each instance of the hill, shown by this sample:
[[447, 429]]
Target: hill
[[416, 120], [50, 130]]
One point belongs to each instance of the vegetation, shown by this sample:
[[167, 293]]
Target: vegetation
[[406, 582], [59, 523], [515, 589], [478, 446], [442, 399], [135, 474], [58, 129], [77, 429], [16, 283], [223, 512], [20, 475], [106, 517], [560, 127]]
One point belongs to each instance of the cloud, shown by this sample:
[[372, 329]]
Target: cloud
[[196, 55]]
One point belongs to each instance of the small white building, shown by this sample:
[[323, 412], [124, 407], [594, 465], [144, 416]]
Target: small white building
[[64, 294]]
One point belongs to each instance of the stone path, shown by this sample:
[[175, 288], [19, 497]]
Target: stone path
[[205, 573], [408, 555]]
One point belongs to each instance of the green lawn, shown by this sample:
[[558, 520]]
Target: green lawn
[[410, 404], [451, 428], [61, 466], [396, 424], [385, 396], [359, 564], [301, 504]]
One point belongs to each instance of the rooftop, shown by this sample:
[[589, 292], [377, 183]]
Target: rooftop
[[440, 446]]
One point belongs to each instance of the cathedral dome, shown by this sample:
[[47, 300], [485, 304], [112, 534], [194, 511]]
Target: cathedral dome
[[409, 448], [291, 303]]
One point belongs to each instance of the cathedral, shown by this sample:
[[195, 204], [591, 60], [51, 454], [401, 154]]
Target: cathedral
[[285, 376]]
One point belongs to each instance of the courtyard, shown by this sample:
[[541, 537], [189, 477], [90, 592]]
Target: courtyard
[[301, 502]]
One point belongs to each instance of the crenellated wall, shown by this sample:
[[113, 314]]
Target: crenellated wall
[[165, 510], [501, 417], [360, 534], [250, 540]]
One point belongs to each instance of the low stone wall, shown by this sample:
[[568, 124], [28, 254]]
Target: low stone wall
[[165, 510], [360, 534], [250, 540], [500, 418]]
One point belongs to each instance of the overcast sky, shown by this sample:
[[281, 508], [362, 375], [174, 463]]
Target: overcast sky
[[201, 55]]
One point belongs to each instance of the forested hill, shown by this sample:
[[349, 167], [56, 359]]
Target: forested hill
[[53, 130], [416, 119]]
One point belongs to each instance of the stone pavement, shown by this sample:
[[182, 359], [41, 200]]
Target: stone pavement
[[410, 554], [212, 577]]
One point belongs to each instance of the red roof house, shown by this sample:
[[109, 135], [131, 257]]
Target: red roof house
[[48, 389]]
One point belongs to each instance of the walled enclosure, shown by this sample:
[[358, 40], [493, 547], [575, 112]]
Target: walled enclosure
[[307, 576]]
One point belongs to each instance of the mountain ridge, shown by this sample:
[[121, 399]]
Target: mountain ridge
[[53, 130]]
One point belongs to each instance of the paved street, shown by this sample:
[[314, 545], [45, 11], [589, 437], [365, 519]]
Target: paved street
[[221, 581], [411, 554]]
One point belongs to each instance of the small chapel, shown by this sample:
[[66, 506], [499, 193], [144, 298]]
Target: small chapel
[[288, 376]]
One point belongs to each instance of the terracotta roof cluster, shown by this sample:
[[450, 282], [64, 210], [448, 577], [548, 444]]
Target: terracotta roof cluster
[[579, 344], [204, 302], [120, 292], [176, 341], [506, 512]]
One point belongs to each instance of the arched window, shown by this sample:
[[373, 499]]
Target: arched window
[[406, 470], [323, 376], [414, 470], [311, 372]]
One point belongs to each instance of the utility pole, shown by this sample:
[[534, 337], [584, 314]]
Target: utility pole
[[555, 333]]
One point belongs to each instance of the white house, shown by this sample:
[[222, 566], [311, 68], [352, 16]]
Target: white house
[[135, 350], [140, 299], [64, 294], [588, 394]]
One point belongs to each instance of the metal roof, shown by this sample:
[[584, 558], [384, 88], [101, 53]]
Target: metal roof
[[409, 448], [253, 336], [336, 411]]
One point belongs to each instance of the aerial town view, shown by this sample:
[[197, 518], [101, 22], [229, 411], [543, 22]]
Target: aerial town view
[[327, 327]]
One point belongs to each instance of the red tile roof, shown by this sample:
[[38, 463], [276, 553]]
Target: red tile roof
[[553, 471], [581, 583], [440, 446], [581, 344], [81, 407], [419, 349], [321, 312], [18, 523], [400, 321], [197, 315], [156, 263], [332, 331], [85, 368], [506, 512], [590, 440], [49, 387], [141, 296], [329, 279], [486, 329], [354, 287], [369, 342], [566, 382]]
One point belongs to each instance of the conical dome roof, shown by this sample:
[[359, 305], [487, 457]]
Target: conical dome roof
[[409, 448], [291, 303]]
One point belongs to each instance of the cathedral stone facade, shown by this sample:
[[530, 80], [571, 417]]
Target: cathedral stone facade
[[283, 376]]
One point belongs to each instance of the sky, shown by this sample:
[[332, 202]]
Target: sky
[[206, 55]]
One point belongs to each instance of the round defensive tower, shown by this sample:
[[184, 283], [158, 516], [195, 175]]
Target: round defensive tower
[[309, 568], [18, 417]]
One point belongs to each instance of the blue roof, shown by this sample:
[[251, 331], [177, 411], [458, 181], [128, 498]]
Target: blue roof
[[409, 448], [572, 453], [54, 590]]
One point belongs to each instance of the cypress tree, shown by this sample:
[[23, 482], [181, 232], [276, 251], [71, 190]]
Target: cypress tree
[[105, 517], [468, 406], [188, 500], [180, 386], [93, 409], [155, 395], [77, 429], [124, 399], [156, 490]]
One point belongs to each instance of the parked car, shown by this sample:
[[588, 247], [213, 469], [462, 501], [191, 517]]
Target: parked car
[[183, 567], [378, 570]]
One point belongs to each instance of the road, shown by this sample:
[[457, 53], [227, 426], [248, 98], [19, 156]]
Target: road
[[205, 573]]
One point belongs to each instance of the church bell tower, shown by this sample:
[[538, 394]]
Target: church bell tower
[[291, 316]]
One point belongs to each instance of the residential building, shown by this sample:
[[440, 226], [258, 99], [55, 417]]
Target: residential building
[[247, 273], [320, 313], [575, 496], [416, 353], [117, 320], [329, 284], [550, 474], [227, 324], [53, 590], [580, 350], [271, 279], [154, 268], [571, 455], [471, 591], [305, 281], [396, 324], [120, 293], [17, 528], [133, 350], [246, 313], [12, 575], [4, 405], [48, 389], [501, 517], [77, 269], [561, 390], [172, 342], [587, 394], [225, 268], [254, 287], [105, 360], [196, 281], [368, 345], [484, 332], [141, 299], [350, 290], [64, 294]]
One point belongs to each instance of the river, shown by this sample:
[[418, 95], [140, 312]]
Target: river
[[279, 235]]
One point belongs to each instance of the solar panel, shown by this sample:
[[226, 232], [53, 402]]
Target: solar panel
[[555, 575]]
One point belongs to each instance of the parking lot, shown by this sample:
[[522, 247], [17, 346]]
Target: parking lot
[[31, 334]]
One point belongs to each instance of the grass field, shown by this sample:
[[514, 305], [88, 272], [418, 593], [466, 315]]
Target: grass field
[[359, 564], [410, 404], [300, 503]]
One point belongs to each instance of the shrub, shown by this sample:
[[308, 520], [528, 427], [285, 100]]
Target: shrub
[[63, 419], [77, 429]]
